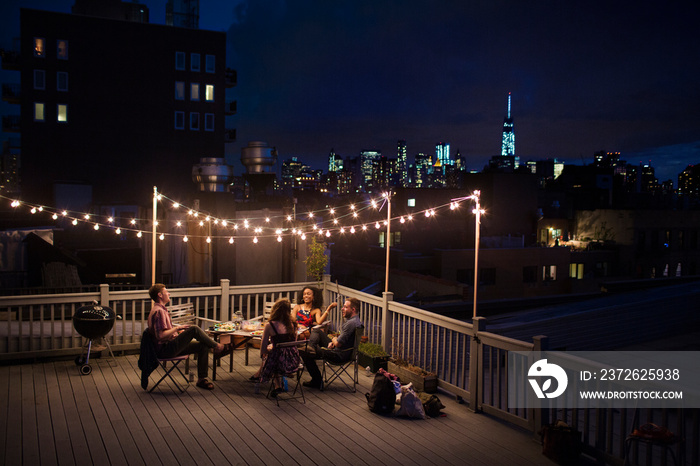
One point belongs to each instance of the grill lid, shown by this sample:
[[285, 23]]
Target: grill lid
[[94, 312]]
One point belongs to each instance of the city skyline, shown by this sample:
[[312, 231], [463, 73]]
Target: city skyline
[[349, 76]]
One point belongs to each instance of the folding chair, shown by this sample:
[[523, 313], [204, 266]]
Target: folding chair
[[293, 376], [337, 369], [175, 363], [149, 357]]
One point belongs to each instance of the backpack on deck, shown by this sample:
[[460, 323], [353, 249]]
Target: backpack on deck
[[382, 397], [431, 404]]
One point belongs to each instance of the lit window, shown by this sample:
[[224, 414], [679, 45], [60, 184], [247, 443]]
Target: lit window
[[411, 202], [549, 273], [179, 120], [39, 79], [179, 90], [62, 116], [62, 81], [194, 91], [194, 62], [179, 60], [39, 50], [576, 271], [209, 93], [208, 122], [210, 63], [194, 121], [62, 49], [38, 111]]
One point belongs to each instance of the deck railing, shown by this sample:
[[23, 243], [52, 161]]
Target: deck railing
[[469, 361]]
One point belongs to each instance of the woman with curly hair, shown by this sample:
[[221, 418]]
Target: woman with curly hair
[[308, 311]]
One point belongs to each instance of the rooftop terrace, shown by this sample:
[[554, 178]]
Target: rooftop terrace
[[53, 415]]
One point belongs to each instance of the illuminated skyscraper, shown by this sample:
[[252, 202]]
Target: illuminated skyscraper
[[335, 162], [368, 159], [402, 163], [508, 142], [442, 154]]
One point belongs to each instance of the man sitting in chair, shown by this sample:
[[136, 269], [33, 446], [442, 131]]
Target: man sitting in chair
[[338, 349], [174, 341]]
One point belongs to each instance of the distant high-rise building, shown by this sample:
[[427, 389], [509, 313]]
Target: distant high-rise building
[[423, 170], [402, 163], [689, 181], [442, 154], [648, 181], [508, 141], [368, 160], [335, 162], [291, 172], [182, 13]]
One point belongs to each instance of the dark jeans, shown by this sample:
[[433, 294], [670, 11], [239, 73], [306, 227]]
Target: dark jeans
[[192, 341], [318, 349]]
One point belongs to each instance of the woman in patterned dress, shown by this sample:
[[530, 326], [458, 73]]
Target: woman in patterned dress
[[279, 329]]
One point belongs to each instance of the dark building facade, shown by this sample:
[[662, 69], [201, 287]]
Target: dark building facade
[[119, 105]]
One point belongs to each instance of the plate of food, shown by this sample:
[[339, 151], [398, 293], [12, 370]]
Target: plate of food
[[257, 333], [224, 327]]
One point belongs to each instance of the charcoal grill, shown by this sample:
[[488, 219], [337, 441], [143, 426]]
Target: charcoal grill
[[92, 322]]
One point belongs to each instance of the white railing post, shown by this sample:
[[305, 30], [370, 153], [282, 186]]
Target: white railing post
[[224, 312], [326, 290], [104, 295], [385, 340], [476, 364], [539, 416]]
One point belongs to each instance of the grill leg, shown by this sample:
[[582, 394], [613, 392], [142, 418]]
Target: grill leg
[[87, 358]]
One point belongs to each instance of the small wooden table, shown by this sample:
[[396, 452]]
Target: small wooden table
[[228, 338]]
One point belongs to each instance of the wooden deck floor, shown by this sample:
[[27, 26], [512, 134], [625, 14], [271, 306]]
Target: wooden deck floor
[[49, 414]]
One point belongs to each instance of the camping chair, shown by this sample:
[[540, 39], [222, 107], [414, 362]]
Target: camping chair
[[294, 376], [652, 435], [334, 370], [175, 365], [149, 361]]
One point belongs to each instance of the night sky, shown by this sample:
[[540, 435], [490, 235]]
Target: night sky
[[350, 75]]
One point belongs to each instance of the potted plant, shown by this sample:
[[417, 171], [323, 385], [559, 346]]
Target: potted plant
[[316, 260], [407, 372], [373, 356]]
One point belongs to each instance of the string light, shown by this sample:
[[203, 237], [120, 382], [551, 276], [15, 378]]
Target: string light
[[335, 222]]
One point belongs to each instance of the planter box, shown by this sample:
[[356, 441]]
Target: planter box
[[374, 362], [421, 383]]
